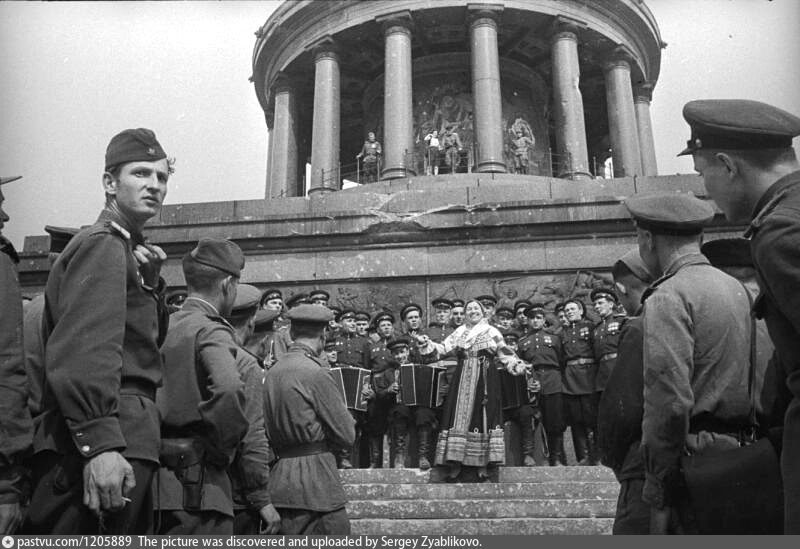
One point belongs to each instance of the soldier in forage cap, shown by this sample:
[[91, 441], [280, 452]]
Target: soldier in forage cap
[[306, 421], [249, 472], [15, 419], [203, 396], [696, 349], [99, 420]]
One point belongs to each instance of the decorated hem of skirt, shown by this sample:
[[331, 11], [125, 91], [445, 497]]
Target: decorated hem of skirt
[[473, 449]]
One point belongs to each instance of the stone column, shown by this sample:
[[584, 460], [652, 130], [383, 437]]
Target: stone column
[[486, 87], [623, 133], [642, 96], [572, 157], [269, 116], [283, 141], [398, 116], [326, 122]]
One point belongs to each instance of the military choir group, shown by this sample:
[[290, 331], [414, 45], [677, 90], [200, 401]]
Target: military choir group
[[225, 409]]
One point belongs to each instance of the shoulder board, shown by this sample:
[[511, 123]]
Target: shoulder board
[[8, 248], [117, 228], [768, 208]]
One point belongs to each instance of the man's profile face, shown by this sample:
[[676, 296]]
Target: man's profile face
[[274, 304], [562, 317], [333, 356], [724, 189], [139, 189], [413, 320]]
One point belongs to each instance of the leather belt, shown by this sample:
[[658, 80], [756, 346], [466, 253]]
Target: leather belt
[[138, 388], [309, 449], [539, 367], [608, 356], [580, 361]]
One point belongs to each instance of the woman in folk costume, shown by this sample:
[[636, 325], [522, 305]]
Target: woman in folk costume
[[472, 418]]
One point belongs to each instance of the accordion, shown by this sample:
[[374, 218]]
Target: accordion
[[352, 382], [514, 390], [419, 385]]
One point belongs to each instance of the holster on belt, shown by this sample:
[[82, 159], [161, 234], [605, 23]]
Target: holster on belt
[[184, 457]]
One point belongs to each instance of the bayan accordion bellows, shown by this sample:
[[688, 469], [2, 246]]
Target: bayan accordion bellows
[[419, 385], [352, 382]]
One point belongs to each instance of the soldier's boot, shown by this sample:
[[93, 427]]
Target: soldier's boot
[[344, 459], [528, 445], [400, 444], [581, 444], [424, 445], [375, 450], [556, 456]]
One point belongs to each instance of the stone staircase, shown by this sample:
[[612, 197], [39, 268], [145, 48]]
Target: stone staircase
[[516, 500]]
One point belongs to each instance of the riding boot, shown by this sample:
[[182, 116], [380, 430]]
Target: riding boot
[[528, 444], [424, 446], [400, 444], [581, 443], [375, 450], [556, 456]]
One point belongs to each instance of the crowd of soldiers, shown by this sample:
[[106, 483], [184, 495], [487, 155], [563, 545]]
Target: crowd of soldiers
[[127, 409]]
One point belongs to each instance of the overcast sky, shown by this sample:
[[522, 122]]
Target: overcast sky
[[74, 74]]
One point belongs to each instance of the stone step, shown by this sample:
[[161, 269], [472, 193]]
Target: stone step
[[483, 491], [501, 474], [481, 509], [476, 527]]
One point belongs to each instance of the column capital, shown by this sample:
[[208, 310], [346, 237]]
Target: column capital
[[567, 27], [400, 21], [643, 92], [324, 48], [482, 13], [619, 57], [283, 82]]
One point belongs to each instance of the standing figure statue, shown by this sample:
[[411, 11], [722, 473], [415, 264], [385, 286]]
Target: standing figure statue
[[371, 153], [521, 144], [452, 149]]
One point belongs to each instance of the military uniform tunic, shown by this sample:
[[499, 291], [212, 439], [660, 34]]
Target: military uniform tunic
[[302, 405], [606, 339], [581, 369], [101, 332], [352, 350], [15, 420], [202, 397], [696, 364], [775, 244]]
